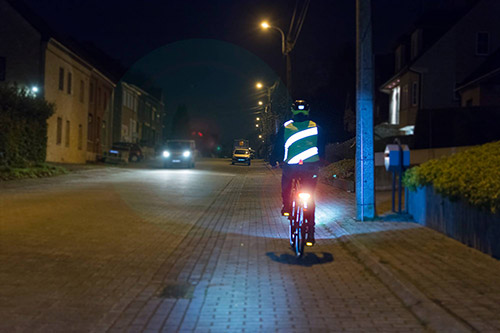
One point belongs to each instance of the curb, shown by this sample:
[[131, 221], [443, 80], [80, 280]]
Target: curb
[[429, 313]]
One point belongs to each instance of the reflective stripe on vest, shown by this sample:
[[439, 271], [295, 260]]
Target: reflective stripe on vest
[[301, 142]]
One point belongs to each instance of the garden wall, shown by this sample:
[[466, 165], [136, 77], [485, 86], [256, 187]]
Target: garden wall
[[457, 219]]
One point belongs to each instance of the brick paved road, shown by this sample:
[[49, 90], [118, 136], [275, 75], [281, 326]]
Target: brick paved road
[[205, 250]]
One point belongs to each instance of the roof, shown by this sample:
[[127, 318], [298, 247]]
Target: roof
[[87, 51], [434, 25], [487, 69]]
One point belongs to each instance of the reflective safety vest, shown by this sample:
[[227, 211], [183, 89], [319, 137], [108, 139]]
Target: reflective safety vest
[[301, 142]]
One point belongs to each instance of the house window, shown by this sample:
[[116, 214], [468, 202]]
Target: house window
[[70, 76], [414, 93], [59, 131], [482, 43], [82, 91], [67, 134], [80, 137], [61, 78], [91, 93], [89, 127], [2, 69]]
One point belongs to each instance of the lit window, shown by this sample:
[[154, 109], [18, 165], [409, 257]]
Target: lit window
[[394, 109]]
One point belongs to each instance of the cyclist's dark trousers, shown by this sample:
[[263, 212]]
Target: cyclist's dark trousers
[[307, 174]]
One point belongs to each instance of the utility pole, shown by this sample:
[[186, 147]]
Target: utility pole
[[365, 180]]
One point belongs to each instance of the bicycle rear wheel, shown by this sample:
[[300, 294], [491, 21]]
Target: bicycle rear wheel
[[299, 233]]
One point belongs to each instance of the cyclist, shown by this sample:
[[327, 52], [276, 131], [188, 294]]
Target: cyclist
[[298, 148]]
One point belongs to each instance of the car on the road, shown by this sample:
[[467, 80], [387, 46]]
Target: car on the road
[[134, 150], [180, 153], [123, 152], [241, 155]]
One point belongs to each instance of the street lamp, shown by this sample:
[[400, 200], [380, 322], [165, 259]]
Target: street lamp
[[259, 85], [256, 125], [260, 103], [286, 48], [257, 118]]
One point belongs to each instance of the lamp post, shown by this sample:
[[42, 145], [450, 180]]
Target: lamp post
[[286, 48]]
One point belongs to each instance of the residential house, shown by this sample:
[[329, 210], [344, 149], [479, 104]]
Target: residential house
[[441, 51], [125, 113], [35, 57], [138, 117], [100, 119], [150, 118], [482, 87]]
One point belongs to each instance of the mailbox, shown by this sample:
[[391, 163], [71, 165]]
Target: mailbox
[[393, 158]]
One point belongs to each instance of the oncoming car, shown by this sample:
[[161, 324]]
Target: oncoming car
[[241, 155], [179, 153]]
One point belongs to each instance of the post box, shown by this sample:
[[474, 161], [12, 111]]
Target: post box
[[393, 158]]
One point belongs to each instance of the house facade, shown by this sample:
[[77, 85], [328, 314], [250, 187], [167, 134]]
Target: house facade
[[138, 116], [439, 53], [100, 116], [67, 78], [34, 57]]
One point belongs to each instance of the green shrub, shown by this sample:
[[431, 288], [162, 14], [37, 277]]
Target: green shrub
[[343, 169], [473, 175], [23, 127], [37, 171]]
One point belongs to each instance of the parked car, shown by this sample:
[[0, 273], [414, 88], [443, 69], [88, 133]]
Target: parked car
[[179, 153], [241, 155], [134, 150]]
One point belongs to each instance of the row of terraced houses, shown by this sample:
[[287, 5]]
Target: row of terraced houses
[[93, 107]]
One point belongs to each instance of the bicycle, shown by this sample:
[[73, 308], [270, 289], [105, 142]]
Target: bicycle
[[299, 218]]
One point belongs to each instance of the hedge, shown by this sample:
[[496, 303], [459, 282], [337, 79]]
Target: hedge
[[343, 169], [23, 127], [473, 175]]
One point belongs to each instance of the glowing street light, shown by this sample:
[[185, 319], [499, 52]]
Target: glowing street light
[[256, 125], [260, 103], [260, 136], [265, 25], [258, 118], [259, 85]]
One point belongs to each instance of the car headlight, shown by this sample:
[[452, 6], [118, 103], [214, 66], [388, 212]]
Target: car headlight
[[166, 154], [187, 153]]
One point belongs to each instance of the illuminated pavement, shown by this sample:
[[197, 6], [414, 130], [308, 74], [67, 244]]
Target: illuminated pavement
[[205, 250]]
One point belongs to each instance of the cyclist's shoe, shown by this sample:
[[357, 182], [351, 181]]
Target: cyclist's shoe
[[285, 211], [310, 241]]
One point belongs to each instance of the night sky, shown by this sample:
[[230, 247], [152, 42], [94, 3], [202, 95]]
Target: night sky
[[207, 54]]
